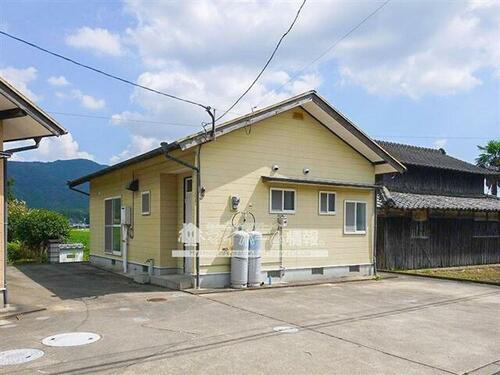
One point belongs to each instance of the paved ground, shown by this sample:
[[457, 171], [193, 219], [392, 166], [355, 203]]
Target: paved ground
[[408, 325]]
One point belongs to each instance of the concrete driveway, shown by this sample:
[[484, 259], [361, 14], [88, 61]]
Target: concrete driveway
[[407, 325]]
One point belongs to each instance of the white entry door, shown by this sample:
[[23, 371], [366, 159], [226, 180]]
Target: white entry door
[[188, 219]]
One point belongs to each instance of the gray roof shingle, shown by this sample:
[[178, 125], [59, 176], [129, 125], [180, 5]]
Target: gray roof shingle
[[430, 157], [411, 201]]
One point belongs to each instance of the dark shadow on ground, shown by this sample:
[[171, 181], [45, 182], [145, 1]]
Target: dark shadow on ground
[[79, 280]]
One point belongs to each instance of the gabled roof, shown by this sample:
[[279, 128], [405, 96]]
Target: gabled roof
[[430, 157], [310, 102], [22, 119], [410, 201]]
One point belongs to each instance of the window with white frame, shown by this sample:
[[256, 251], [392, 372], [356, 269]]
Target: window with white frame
[[327, 203], [354, 217], [112, 227], [282, 201], [145, 202]]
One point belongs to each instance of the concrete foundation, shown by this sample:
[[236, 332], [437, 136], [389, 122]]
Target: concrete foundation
[[116, 265], [223, 279]]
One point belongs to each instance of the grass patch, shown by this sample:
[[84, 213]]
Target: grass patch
[[475, 273], [81, 236]]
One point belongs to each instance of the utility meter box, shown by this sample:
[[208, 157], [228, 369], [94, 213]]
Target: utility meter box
[[125, 216], [282, 221]]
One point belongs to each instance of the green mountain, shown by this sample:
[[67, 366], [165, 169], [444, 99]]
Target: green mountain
[[43, 185]]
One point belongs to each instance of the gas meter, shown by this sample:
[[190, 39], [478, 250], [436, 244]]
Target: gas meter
[[282, 221]]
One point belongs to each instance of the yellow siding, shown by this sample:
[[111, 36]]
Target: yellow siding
[[3, 249], [234, 164], [153, 234]]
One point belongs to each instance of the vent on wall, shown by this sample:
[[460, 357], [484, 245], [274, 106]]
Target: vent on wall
[[353, 268], [317, 271], [298, 116]]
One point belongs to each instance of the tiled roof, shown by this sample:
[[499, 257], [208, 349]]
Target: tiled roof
[[411, 201], [430, 157]]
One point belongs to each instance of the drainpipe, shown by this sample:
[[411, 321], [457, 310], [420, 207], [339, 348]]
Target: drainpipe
[[5, 155], [196, 169]]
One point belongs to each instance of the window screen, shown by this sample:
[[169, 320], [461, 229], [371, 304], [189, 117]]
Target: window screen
[[355, 217], [289, 201], [146, 203], [112, 227], [276, 199]]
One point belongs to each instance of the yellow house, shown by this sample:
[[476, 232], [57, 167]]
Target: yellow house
[[299, 162], [20, 120]]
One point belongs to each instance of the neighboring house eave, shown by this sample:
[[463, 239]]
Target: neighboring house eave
[[31, 122], [413, 201]]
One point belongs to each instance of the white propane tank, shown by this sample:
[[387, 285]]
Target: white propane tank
[[254, 259], [239, 260]]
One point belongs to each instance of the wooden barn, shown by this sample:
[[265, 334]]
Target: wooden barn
[[436, 214]]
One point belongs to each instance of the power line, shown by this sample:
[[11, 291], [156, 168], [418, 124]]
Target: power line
[[109, 75], [267, 63], [330, 48], [110, 118]]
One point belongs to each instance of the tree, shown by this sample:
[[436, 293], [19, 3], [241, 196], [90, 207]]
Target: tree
[[490, 158], [10, 189]]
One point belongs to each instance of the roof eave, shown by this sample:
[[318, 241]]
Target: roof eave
[[21, 101]]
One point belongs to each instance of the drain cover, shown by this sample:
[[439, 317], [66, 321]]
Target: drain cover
[[285, 329], [71, 339], [18, 356], [156, 299]]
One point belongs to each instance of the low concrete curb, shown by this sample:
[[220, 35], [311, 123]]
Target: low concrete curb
[[16, 310], [442, 277], [290, 285]]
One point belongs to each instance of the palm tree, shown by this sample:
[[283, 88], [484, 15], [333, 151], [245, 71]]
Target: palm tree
[[490, 158]]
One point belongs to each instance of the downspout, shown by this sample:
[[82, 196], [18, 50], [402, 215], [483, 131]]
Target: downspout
[[77, 190], [165, 148], [5, 155]]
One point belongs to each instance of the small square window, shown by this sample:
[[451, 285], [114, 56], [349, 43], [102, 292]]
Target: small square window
[[326, 203], [145, 202], [282, 201]]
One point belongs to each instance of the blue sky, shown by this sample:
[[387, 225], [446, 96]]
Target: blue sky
[[419, 72]]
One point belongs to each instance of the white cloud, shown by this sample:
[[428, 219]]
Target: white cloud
[[88, 101], [101, 41], [20, 78], [58, 81], [50, 149], [407, 49], [137, 146]]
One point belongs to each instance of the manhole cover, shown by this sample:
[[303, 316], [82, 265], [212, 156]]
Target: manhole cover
[[156, 299], [71, 339], [285, 329], [18, 356]]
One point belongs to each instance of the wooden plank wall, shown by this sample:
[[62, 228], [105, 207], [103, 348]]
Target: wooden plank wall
[[451, 242]]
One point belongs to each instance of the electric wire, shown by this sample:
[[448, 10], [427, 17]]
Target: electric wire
[[329, 49], [99, 71], [110, 118], [267, 63]]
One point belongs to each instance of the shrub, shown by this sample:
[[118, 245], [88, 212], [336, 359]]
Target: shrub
[[17, 210], [14, 252], [37, 227]]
